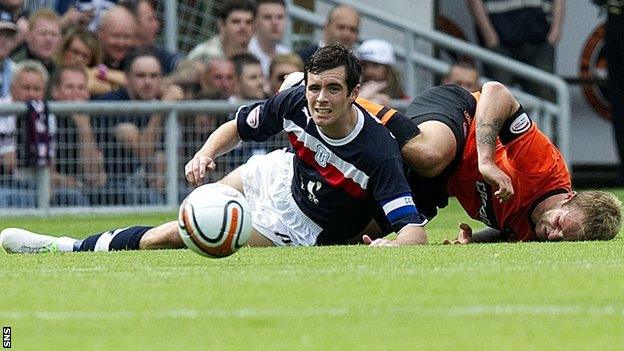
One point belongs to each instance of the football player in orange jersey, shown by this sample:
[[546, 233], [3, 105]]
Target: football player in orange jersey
[[484, 149]]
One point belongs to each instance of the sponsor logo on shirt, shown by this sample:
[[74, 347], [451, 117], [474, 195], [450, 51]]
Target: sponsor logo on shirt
[[521, 124], [486, 211], [313, 187]]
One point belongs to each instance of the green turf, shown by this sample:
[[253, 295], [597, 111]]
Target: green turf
[[536, 296]]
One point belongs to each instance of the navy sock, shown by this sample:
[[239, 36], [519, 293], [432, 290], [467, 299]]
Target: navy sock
[[117, 239]]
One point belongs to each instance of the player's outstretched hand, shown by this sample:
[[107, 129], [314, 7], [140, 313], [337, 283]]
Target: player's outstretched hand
[[378, 242], [464, 237], [195, 169], [498, 179]]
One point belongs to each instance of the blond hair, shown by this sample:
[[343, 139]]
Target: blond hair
[[44, 14], [603, 214], [286, 59]]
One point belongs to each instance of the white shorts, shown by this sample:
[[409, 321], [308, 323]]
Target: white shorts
[[266, 183]]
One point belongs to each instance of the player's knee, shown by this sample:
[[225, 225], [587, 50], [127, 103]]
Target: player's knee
[[165, 236]]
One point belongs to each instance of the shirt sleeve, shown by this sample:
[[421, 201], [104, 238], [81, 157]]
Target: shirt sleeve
[[261, 120], [402, 128], [393, 195]]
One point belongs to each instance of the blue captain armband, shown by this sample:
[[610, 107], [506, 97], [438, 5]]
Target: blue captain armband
[[401, 211]]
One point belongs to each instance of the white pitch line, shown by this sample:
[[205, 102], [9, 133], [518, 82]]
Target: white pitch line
[[243, 313]]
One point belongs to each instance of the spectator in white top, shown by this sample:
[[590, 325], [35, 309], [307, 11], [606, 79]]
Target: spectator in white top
[[235, 31], [270, 22]]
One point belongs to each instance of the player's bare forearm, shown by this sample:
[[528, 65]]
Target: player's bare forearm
[[221, 141], [487, 235], [495, 106]]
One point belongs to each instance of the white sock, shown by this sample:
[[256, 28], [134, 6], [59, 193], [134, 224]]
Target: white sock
[[65, 244]]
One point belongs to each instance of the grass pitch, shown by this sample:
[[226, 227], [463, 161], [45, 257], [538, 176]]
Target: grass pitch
[[529, 296]]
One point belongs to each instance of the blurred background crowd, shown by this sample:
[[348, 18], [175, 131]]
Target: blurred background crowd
[[78, 50]]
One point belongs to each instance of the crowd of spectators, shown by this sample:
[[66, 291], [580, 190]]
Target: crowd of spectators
[[109, 51]]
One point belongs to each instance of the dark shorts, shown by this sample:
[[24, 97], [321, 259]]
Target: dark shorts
[[455, 123]]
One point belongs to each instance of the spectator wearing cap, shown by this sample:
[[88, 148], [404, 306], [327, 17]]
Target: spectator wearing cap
[[15, 9], [269, 23], [380, 81], [8, 37], [342, 26]]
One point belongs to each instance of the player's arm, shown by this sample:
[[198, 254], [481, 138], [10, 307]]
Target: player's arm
[[391, 190], [257, 122], [495, 106], [466, 236], [413, 234], [222, 140]]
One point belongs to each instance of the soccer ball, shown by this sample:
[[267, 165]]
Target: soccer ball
[[214, 220]]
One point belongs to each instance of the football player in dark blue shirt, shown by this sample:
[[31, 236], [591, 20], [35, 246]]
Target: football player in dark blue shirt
[[344, 167]]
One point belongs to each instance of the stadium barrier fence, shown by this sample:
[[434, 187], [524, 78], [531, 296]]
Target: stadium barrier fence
[[118, 176]]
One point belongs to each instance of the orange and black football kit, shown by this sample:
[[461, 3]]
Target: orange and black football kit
[[535, 166]]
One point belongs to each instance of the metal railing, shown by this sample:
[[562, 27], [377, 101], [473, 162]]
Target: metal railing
[[554, 119], [171, 131], [171, 146]]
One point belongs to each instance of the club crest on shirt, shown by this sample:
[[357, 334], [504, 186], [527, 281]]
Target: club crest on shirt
[[322, 155]]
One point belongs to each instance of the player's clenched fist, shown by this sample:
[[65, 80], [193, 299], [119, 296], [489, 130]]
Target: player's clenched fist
[[195, 169]]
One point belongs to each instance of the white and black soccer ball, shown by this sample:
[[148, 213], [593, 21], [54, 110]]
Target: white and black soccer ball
[[214, 220]]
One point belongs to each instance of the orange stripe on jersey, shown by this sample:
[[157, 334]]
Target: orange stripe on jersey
[[476, 95], [381, 112]]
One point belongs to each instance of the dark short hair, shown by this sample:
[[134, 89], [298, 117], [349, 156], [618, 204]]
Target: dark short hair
[[241, 60], [135, 53], [236, 5], [279, 2], [332, 56]]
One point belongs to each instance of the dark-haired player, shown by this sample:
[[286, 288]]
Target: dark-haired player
[[345, 166]]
